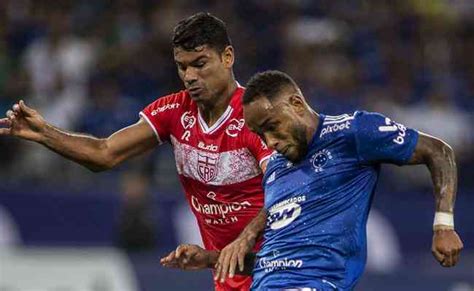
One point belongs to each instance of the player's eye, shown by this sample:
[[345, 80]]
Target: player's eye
[[199, 64], [272, 126]]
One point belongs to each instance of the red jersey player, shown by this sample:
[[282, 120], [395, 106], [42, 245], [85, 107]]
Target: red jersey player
[[218, 158], [218, 165]]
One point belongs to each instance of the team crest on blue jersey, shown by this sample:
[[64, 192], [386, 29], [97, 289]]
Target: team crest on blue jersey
[[320, 159]]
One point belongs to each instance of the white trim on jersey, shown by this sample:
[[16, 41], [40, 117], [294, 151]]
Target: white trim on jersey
[[208, 130], [152, 126], [265, 158], [336, 117], [326, 122]]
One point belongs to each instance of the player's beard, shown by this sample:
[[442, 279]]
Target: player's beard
[[301, 143]]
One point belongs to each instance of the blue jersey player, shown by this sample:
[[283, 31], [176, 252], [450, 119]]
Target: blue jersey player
[[319, 188]]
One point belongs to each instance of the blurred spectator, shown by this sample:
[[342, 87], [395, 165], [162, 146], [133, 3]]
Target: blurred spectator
[[58, 65], [136, 226], [9, 231]]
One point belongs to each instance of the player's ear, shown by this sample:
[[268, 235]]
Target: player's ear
[[297, 102], [227, 56]]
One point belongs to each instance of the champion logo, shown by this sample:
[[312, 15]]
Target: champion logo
[[211, 195], [272, 264]]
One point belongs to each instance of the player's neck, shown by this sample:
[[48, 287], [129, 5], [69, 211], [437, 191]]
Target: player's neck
[[211, 111], [312, 125]]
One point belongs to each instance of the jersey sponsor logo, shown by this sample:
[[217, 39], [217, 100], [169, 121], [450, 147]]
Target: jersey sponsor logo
[[224, 213], [335, 128], [207, 167], [391, 126], [320, 159], [210, 147], [273, 264], [234, 127], [164, 108], [285, 212]]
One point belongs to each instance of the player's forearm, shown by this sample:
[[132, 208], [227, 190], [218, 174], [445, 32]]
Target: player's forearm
[[438, 156], [249, 262], [256, 227], [86, 150], [442, 166]]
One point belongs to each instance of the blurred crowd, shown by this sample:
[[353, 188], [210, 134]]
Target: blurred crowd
[[91, 66]]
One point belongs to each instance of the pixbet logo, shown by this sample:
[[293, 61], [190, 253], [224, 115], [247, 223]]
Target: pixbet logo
[[334, 128]]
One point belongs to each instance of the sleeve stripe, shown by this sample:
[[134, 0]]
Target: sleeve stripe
[[152, 126], [265, 158]]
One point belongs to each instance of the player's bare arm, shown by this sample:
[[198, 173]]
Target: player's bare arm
[[440, 160], [234, 253], [97, 154], [192, 257]]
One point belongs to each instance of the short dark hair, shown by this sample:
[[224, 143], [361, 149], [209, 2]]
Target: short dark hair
[[201, 29], [268, 84]]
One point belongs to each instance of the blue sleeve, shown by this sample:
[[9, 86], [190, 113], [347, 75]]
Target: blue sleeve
[[379, 139]]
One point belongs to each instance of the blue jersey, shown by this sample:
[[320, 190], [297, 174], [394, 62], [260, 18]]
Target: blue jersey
[[315, 236]]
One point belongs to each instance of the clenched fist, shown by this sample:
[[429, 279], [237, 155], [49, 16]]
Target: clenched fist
[[446, 247]]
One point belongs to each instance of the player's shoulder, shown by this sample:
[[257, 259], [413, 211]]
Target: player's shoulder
[[177, 101], [336, 125], [346, 124], [275, 162]]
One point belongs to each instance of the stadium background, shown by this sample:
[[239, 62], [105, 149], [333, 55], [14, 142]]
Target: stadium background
[[90, 66]]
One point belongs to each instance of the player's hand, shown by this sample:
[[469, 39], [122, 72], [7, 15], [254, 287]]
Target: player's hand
[[187, 257], [22, 121], [231, 256], [446, 247]]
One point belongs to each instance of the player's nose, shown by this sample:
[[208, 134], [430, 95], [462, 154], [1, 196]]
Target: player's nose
[[190, 76], [272, 142]]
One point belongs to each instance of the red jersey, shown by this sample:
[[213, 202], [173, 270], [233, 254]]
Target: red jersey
[[218, 165]]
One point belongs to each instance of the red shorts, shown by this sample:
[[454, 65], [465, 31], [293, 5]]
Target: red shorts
[[238, 283]]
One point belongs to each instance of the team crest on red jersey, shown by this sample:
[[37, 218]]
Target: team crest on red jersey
[[207, 167]]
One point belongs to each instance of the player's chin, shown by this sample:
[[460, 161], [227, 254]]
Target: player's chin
[[292, 154]]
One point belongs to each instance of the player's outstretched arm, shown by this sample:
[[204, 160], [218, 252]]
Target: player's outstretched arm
[[438, 156], [97, 154], [235, 253], [193, 257]]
